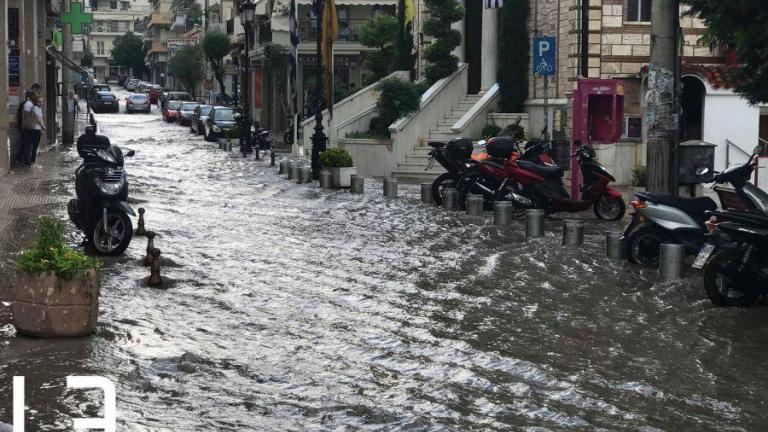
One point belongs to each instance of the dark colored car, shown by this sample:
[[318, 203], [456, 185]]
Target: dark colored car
[[186, 112], [105, 101], [220, 120], [173, 95], [137, 102], [171, 111], [199, 117], [94, 89]]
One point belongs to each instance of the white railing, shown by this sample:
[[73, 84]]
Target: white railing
[[728, 145], [344, 110], [471, 124], [436, 103]]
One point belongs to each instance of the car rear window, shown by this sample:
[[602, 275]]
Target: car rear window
[[224, 114], [138, 97], [190, 106], [174, 105]]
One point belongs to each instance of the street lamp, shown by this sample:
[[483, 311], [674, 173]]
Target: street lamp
[[318, 139], [247, 12]]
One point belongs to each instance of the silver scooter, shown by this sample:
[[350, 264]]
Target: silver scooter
[[663, 218]]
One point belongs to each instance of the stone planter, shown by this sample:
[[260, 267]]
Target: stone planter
[[342, 177], [46, 306]]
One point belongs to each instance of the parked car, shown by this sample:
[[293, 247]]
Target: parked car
[[131, 84], [137, 102], [220, 120], [186, 112], [171, 111], [105, 101], [94, 89], [173, 95], [199, 118], [141, 86], [153, 91]]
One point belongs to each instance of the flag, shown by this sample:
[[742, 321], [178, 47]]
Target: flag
[[294, 35], [494, 4], [330, 33], [410, 12]]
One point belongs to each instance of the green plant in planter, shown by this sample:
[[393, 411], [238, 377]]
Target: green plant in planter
[[336, 158], [51, 254], [490, 130], [639, 176]]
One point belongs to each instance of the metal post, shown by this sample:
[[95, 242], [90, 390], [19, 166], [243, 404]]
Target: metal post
[[502, 213], [357, 184], [390, 187], [67, 120], [283, 169], [325, 179], [534, 223], [475, 205], [426, 194], [671, 262], [614, 247], [573, 233], [293, 171], [272, 158], [450, 199], [305, 174], [318, 139]]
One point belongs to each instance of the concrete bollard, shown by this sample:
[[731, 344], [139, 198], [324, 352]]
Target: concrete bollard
[[502, 213], [150, 247], [325, 179], [534, 223], [573, 233], [671, 262], [357, 184], [475, 205], [450, 199], [293, 171], [305, 174], [155, 280], [283, 169], [390, 187], [426, 194], [140, 230], [227, 146], [272, 158], [614, 247]]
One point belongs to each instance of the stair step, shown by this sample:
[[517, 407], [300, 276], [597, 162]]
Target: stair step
[[422, 159], [419, 167], [445, 126], [416, 176]]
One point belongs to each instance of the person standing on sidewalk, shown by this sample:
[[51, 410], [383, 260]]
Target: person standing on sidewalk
[[23, 123], [38, 128]]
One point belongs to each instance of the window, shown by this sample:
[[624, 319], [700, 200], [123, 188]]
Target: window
[[99, 48], [633, 127], [114, 26], [113, 4], [639, 10]]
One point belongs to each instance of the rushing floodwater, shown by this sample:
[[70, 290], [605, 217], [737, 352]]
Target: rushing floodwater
[[293, 308]]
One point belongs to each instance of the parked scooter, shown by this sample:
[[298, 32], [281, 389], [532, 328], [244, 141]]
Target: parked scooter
[[260, 137], [735, 257], [661, 218], [101, 209], [455, 157]]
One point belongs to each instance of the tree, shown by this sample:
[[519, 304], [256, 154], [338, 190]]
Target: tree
[[404, 56], [397, 99], [442, 13], [740, 24], [216, 46], [379, 32], [87, 60], [194, 15], [127, 51], [187, 67], [514, 55]]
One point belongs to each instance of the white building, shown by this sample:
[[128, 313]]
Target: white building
[[112, 18]]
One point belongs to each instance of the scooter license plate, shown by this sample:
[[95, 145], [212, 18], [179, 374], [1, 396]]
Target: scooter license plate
[[703, 256]]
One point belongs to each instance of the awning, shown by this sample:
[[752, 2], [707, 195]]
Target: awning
[[68, 62]]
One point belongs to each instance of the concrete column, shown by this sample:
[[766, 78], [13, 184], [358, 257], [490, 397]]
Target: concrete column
[[4, 150], [489, 55], [28, 20], [67, 121]]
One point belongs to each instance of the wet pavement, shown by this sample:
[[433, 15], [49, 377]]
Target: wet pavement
[[293, 308]]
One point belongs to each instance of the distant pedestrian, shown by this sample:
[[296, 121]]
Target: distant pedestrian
[[37, 129], [25, 125]]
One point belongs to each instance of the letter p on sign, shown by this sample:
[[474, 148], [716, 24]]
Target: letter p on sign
[[109, 422]]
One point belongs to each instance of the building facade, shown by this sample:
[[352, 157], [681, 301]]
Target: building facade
[[112, 18]]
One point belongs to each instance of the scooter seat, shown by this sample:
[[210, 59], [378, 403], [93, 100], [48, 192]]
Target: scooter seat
[[547, 171], [436, 144], [693, 206]]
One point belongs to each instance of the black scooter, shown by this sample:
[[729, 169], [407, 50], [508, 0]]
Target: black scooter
[[737, 271], [101, 209]]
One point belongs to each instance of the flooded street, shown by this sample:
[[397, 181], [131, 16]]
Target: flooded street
[[294, 308]]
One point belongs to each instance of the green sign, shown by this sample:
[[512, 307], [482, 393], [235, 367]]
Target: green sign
[[57, 38], [76, 18]]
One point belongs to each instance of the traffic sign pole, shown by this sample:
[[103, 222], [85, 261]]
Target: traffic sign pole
[[545, 65]]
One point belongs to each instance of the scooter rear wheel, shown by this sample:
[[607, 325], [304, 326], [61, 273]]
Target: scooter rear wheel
[[445, 180], [644, 245], [116, 238], [609, 208], [721, 289]]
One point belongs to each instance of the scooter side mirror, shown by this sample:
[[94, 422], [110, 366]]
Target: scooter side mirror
[[702, 171], [130, 153], [757, 150], [482, 143]]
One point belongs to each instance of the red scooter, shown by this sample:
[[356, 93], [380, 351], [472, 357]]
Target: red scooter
[[534, 177]]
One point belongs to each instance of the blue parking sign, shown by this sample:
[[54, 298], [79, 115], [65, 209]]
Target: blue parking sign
[[544, 55]]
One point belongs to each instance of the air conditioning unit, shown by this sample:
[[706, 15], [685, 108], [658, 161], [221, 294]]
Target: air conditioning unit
[[100, 29]]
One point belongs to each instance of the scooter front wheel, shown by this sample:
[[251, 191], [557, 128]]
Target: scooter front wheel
[[443, 181], [113, 239], [609, 208]]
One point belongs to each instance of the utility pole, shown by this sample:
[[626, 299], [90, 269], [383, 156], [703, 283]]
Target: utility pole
[[664, 97], [67, 118]]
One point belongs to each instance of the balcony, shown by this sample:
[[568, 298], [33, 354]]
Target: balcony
[[265, 32], [159, 20], [158, 47], [179, 23], [349, 30]]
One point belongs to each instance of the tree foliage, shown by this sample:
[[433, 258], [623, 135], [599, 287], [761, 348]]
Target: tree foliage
[[188, 67], [216, 47], [514, 55], [404, 57], [397, 99], [442, 13], [742, 25], [379, 32], [127, 51]]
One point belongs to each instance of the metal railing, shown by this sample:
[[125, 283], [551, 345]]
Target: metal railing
[[349, 30], [728, 145]]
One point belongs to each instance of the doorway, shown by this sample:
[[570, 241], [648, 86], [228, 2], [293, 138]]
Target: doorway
[[473, 43], [692, 104]]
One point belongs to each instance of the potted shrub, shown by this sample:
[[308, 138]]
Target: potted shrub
[[56, 292], [340, 163]]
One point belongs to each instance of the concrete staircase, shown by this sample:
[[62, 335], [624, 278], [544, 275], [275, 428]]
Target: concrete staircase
[[416, 161]]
